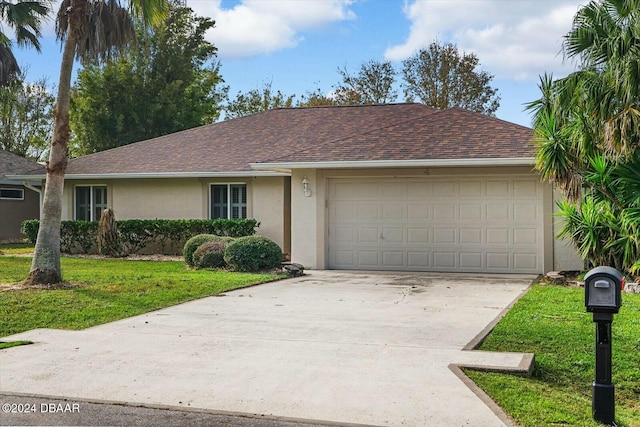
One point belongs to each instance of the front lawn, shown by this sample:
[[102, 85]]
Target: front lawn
[[107, 290], [551, 321]]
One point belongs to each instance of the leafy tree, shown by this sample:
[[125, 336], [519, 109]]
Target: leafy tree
[[26, 118], [372, 85], [89, 29], [588, 135], [441, 77], [167, 82], [25, 17], [256, 101], [315, 99]]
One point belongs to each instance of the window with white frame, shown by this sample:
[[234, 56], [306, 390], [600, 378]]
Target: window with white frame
[[90, 201], [11, 194], [228, 201]]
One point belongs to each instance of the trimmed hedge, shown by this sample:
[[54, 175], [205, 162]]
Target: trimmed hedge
[[169, 235], [210, 254], [195, 242], [253, 253]]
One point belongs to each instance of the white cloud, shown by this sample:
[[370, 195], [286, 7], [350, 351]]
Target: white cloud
[[263, 26], [516, 40]]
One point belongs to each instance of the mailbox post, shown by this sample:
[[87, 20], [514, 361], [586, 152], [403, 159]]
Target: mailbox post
[[603, 298]]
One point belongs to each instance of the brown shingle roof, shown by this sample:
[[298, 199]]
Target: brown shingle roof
[[230, 146], [12, 164], [347, 133], [446, 134]]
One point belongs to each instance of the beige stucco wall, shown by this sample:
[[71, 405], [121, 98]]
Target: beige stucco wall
[[308, 219], [309, 214], [13, 212], [188, 198], [270, 206], [566, 257]]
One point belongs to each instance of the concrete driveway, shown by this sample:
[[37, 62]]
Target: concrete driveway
[[339, 347]]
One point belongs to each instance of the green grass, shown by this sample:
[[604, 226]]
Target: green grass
[[552, 323], [16, 249], [13, 344], [109, 290]]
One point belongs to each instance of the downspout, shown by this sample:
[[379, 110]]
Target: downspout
[[37, 190]]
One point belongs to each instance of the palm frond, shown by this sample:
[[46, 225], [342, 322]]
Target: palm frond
[[9, 68]]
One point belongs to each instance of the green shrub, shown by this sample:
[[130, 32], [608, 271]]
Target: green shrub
[[136, 234], [253, 253], [210, 254], [194, 243]]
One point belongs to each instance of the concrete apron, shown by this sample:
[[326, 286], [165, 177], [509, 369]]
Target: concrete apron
[[363, 348]]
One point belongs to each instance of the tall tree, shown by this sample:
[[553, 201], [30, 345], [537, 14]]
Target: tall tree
[[25, 17], [167, 82], [315, 98], [256, 101], [26, 118], [372, 85], [441, 77], [89, 29], [588, 133]]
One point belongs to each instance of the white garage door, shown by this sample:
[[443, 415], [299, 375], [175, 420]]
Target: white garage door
[[473, 224]]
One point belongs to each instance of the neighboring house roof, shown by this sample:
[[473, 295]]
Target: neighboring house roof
[[12, 164], [265, 142]]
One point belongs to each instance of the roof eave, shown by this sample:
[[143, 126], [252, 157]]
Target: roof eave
[[150, 175], [358, 164]]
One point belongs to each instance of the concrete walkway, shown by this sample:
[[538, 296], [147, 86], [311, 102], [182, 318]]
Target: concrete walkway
[[340, 347]]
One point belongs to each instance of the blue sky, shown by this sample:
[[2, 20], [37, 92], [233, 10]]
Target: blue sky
[[297, 45]]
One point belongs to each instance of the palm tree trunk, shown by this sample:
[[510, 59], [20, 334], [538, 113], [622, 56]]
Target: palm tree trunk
[[45, 267]]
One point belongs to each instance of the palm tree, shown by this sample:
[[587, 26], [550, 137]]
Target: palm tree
[[606, 37], [587, 129], [25, 17], [90, 30]]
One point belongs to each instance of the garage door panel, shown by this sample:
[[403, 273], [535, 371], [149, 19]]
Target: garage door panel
[[525, 212], [345, 190], [444, 235], [393, 212], [344, 210], [523, 261], [444, 260], [472, 260], [343, 234], [473, 212], [491, 224], [393, 190], [417, 211], [368, 212], [497, 211], [368, 235], [444, 212], [498, 188], [525, 236], [343, 258], [419, 190], [445, 188], [498, 236], [417, 259], [499, 261], [471, 236], [368, 259], [472, 189], [418, 235], [393, 235], [525, 188], [393, 259]]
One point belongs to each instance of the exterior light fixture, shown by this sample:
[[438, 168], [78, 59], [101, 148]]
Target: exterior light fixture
[[305, 187]]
